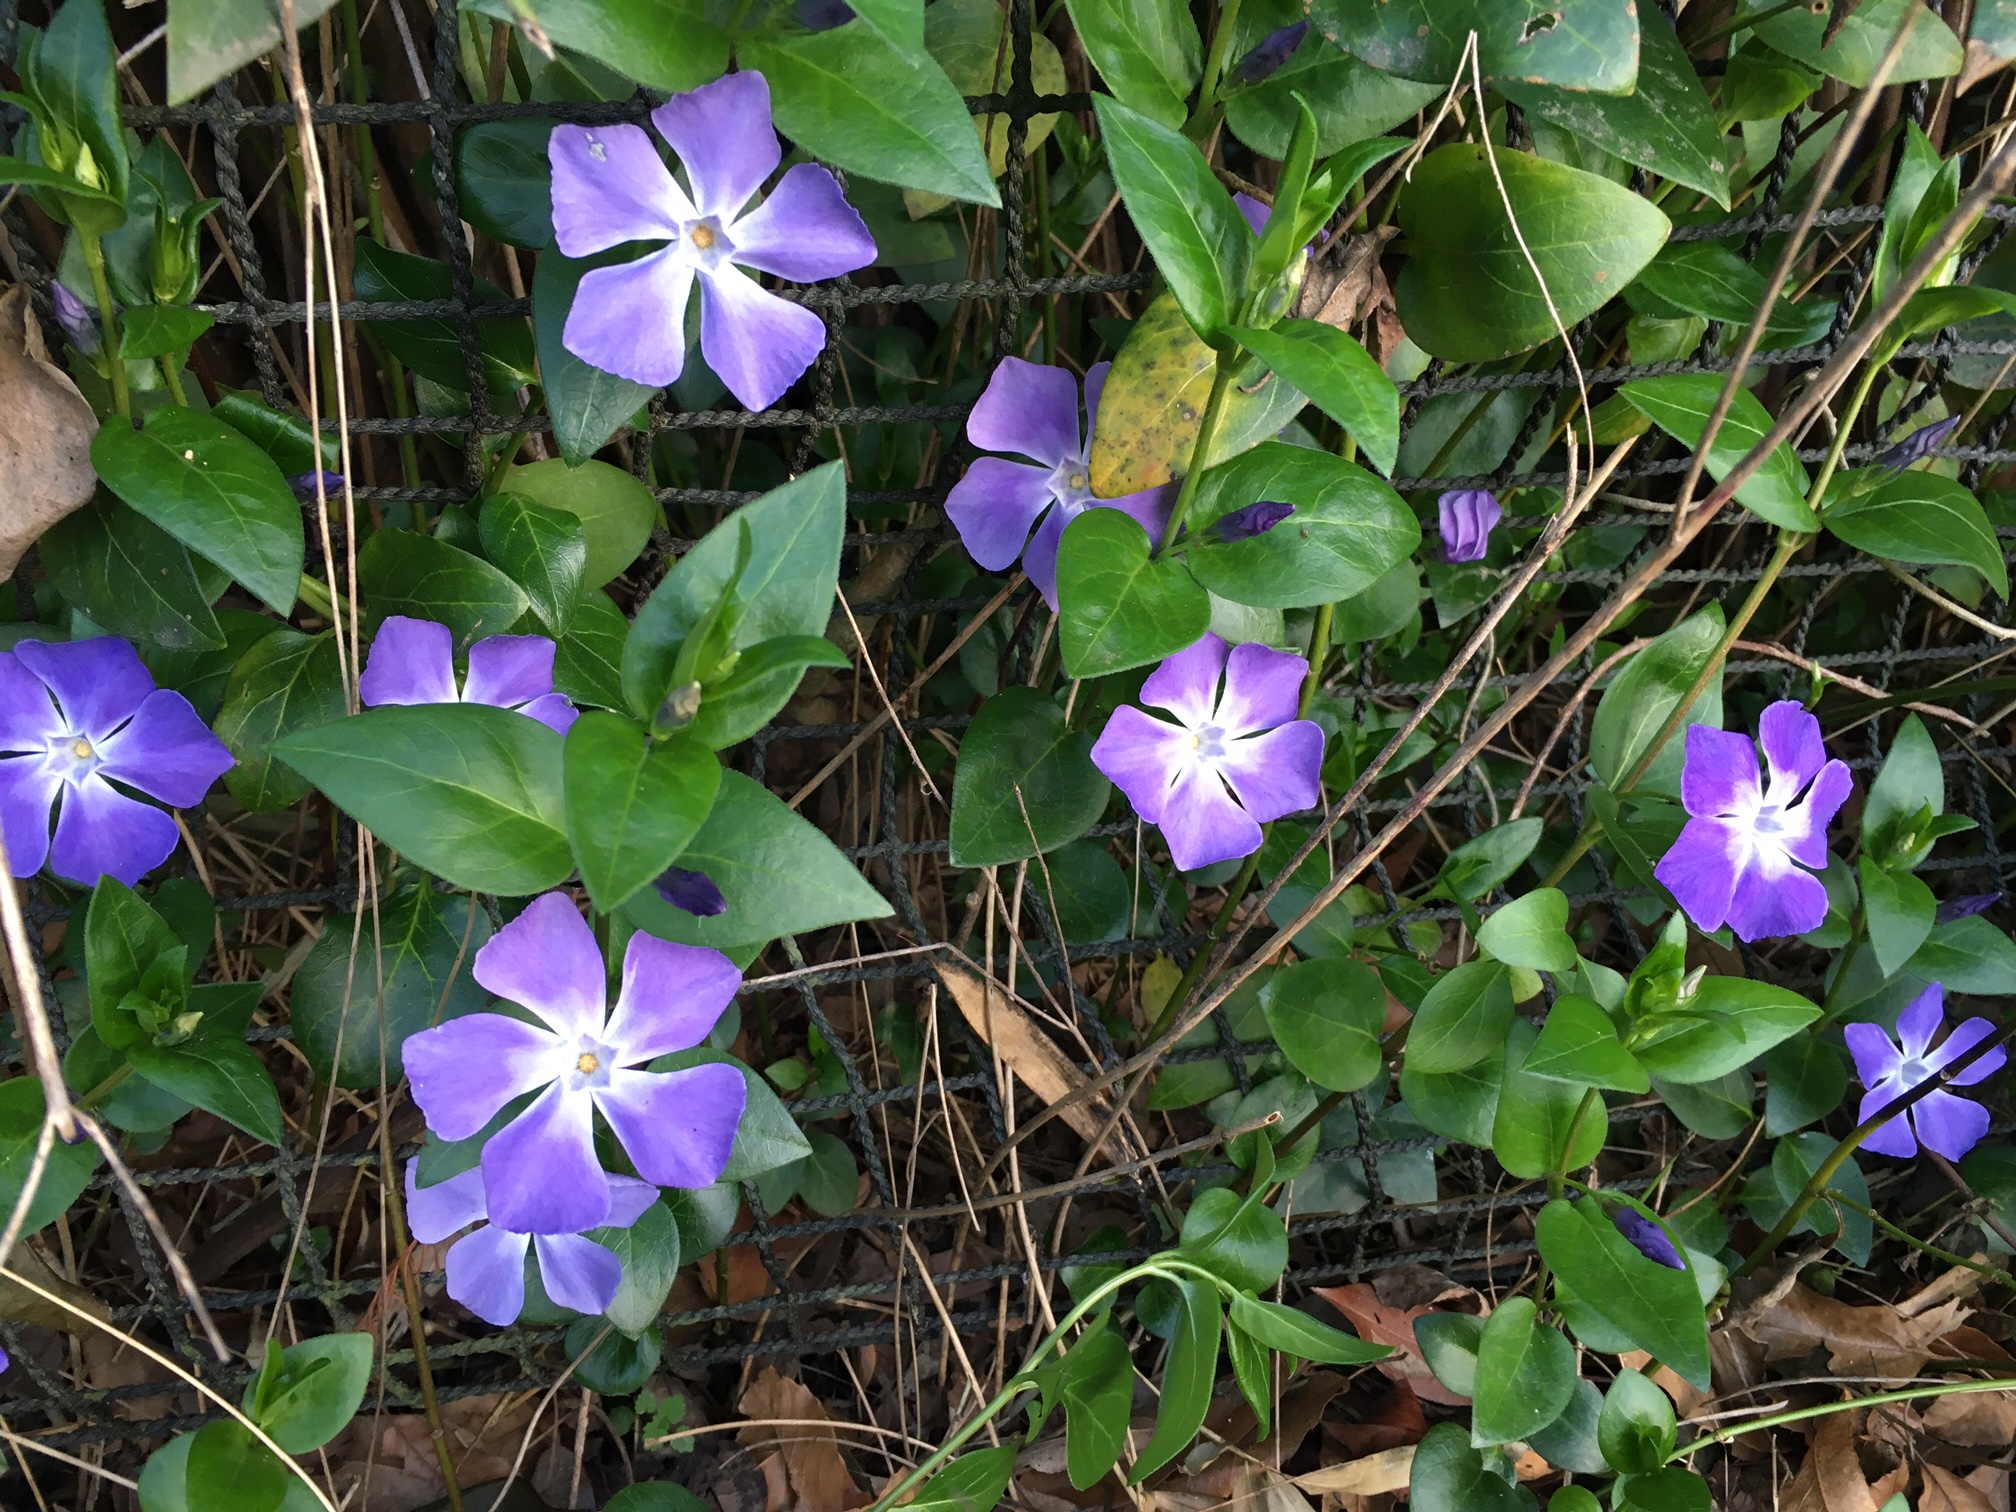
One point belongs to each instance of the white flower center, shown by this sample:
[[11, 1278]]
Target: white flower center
[[1911, 1072], [706, 242], [72, 758], [1071, 484], [1209, 743], [589, 1070]]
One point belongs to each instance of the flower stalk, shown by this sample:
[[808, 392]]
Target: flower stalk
[[108, 314]]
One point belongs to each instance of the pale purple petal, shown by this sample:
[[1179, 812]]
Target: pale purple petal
[[1263, 688], [1921, 1020], [1769, 904], [547, 960], [103, 832], [486, 1274], [28, 716], [1720, 774], [1802, 828], [1141, 756], [1095, 388], [436, 1212], [578, 1272], [99, 682], [27, 794], [553, 711], [412, 661], [463, 1071], [1149, 508], [1949, 1125], [1028, 409], [805, 230], [1700, 869], [1186, 684], [1792, 746], [540, 1174], [1276, 773], [1203, 824], [724, 139], [678, 1127], [166, 751], [509, 670], [1876, 1057], [1466, 517], [1892, 1137], [630, 320], [672, 995], [1958, 1043], [994, 506], [628, 1198], [1256, 213], [756, 343], [610, 187], [1039, 557]]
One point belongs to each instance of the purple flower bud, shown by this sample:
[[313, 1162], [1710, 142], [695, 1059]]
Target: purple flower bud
[[1253, 520], [1274, 49], [1647, 1238], [1469, 515], [79, 324], [303, 484], [824, 15], [692, 891], [1965, 908], [1919, 445]]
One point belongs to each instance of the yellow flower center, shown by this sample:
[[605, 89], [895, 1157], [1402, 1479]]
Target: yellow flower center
[[703, 237], [1077, 480], [81, 749], [588, 1064]]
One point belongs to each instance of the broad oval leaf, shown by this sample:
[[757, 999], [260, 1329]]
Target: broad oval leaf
[[1531, 931], [1462, 1020], [615, 509], [1921, 517], [1525, 1374], [1098, 1390], [286, 682], [1657, 1307], [1447, 1475], [542, 549], [1572, 44], [1746, 1018], [423, 577], [1864, 35], [1340, 378], [1025, 784], [665, 44], [633, 803], [1637, 705], [65, 1174], [1680, 405], [1120, 606], [1147, 51], [1326, 1016]]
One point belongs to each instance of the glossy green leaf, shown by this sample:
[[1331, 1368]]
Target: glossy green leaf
[[158, 330], [1120, 607], [1969, 955], [650, 1253], [1681, 404], [1582, 44], [1525, 1374], [662, 44], [633, 803], [615, 509], [1804, 1080], [129, 575], [1476, 866], [1770, 1193], [1922, 517], [1763, 84], [763, 680], [1461, 1105], [1340, 378], [1187, 1376], [73, 69], [1536, 1117], [1098, 1392], [423, 577], [1147, 51], [283, 436], [216, 38], [220, 1074], [1931, 52], [1910, 783], [1579, 1044], [123, 939], [505, 181], [1448, 1343], [286, 682], [969, 38], [1899, 909], [617, 1366], [588, 405], [1326, 1016], [1642, 697], [1449, 1476], [588, 659], [1237, 1239], [974, 1482], [1463, 1019], [1743, 1020], [433, 348], [1352, 101], [229, 1469], [1569, 1442], [1250, 1370], [1026, 782], [1531, 931], [1289, 1331], [1672, 1489], [1637, 1429], [64, 1175], [1657, 1307], [316, 1391], [542, 549]]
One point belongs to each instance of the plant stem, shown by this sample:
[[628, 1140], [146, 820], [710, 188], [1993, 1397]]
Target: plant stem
[[316, 597], [402, 1243], [1200, 450], [1856, 930], [1233, 894], [103, 1090], [1555, 1177], [1992, 1272], [1722, 1435], [170, 370], [108, 317], [1205, 118], [1848, 417]]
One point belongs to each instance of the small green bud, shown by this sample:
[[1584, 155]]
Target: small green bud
[[680, 705]]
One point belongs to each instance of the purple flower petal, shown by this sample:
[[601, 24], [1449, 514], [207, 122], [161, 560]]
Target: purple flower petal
[[994, 506], [1920, 1022], [1720, 775], [1893, 1137], [1256, 213], [1769, 902], [553, 711], [1965, 907], [99, 682], [1149, 508], [1792, 747], [691, 891], [412, 661], [1273, 50], [1802, 828], [677, 1127], [578, 1272], [1700, 868], [1140, 754], [79, 322], [1203, 824], [1876, 1057], [1919, 444], [1039, 557], [1186, 684], [725, 141], [630, 320], [628, 1198], [805, 230], [1949, 1125], [28, 715], [27, 794], [1467, 517], [1253, 520], [509, 670], [1095, 388], [1276, 773], [435, 1213], [672, 996], [1263, 688], [610, 187], [486, 1274], [166, 751], [1647, 1238], [1028, 409], [463, 1071], [547, 960], [100, 832], [1957, 1044], [756, 343], [305, 485], [540, 1174]]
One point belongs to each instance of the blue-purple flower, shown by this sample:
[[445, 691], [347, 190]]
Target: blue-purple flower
[[78, 320], [1647, 1238], [540, 1173], [693, 891], [1270, 52], [610, 187], [76, 717], [1032, 410], [303, 484], [1944, 1123], [486, 1268], [1919, 445], [412, 661], [1253, 520], [1749, 851], [1965, 907], [1236, 757], [1468, 516]]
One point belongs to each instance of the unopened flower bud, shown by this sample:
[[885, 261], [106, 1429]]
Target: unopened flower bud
[[1965, 908], [80, 326], [680, 705], [1273, 50], [1919, 445], [691, 891], [303, 484], [1253, 520], [1468, 516], [1648, 1238]]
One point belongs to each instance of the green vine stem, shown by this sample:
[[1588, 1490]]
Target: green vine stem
[[108, 316], [1722, 1435], [1200, 449], [1205, 118], [402, 1244], [1992, 1272]]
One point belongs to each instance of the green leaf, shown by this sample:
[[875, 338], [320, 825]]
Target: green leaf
[[316, 1391], [662, 44], [650, 1252], [74, 70], [423, 577], [1931, 51], [1476, 866], [1669, 1490], [285, 437], [1804, 1080], [1352, 102], [1462, 1105], [1681, 404], [1238, 1239], [1535, 1116], [1745, 1019], [1715, 283], [505, 181], [619, 1365], [1525, 1374], [1147, 51], [1340, 378], [123, 939], [1900, 912], [1119, 606], [1448, 1343], [229, 1469], [14, 170], [1463, 1019], [1578, 1044], [1200, 242], [588, 659], [588, 405], [544, 550], [1187, 1376], [286, 682], [969, 40], [211, 39], [1449, 1476], [1531, 931], [433, 348], [1910, 783], [414, 958], [1657, 1307], [1255, 1380], [778, 874], [65, 1174], [470, 792], [1637, 1429], [1935, 309], [1969, 955], [1326, 1016], [1288, 1331], [852, 99], [1572, 44], [974, 1482], [1468, 293], [1642, 698], [1716, 1109], [633, 803], [129, 576], [1020, 758], [220, 1074], [157, 330], [1569, 1442], [615, 509], [1922, 517], [1763, 84], [764, 678], [1769, 1195], [1098, 1391]]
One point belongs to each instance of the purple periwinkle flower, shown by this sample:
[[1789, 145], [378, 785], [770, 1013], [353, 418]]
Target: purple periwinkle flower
[[1749, 851], [1032, 410], [540, 1174], [412, 661], [303, 484], [610, 187], [1949, 1125], [1647, 1238], [1236, 757], [76, 717], [1919, 445], [693, 891], [79, 321], [1253, 520], [486, 1268], [1965, 908], [1272, 50], [1468, 516]]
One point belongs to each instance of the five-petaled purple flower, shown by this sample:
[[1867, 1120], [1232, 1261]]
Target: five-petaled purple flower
[[1468, 516], [412, 661], [1647, 1238], [486, 1268], [76, 717], [540, 1174], [610, 187], [1919, 445], [1235, 758], [1740, 858], [1033, 411], [1949, 1125]]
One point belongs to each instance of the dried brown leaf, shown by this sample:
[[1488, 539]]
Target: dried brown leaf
[[818, 1476], [1982, 1419], [1860, 1341], [1389, 1319], [1946, 1492], [1385, 1471], [46, 428], [1831, 1480], [1037, 1063]]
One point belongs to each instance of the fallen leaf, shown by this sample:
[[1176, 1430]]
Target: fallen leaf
[[1958, 1281], [1992, 1481], [1981, 1419], [46, 427], [1831, 1480], [1343, 284], [1387, 1470], [396, 1451], [1946, 1492], [1860, 1341], [818, 1475], [1391, 1420], [1685, 1397], [1037, 1063], [1384, 1313], [1981, 62], [20, 1305], [1263, 1490]]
